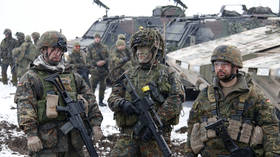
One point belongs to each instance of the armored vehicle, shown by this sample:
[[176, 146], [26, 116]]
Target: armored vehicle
[[178, 29], [260, 49]]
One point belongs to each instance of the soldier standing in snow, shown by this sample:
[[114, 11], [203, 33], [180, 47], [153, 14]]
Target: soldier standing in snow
[[37, 99]]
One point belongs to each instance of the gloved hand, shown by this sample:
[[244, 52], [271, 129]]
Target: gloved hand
[[189, 154], [34, 143], [147, 135], [97, 133], [127, 107], [124, 59]]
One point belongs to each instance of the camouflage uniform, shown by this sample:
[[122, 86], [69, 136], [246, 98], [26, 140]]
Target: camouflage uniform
[[79, 63], [35, 37], [168, 109], [97, 52], [6, 47], [242, 105], [24, 55], [31, 98], [20, 38], [119, 61]]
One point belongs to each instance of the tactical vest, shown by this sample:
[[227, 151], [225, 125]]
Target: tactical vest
[[160, 76], [68, 81]]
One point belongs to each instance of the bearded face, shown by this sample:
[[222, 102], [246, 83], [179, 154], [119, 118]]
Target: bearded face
[[144, 54], [224, 70]]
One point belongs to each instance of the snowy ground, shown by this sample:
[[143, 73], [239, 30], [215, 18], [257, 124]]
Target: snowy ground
[[8, 113]]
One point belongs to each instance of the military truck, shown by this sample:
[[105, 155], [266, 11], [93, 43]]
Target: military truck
[[260, 49], [179, 30]]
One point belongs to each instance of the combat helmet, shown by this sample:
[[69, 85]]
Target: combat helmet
[[121, 37], [148, 37], [52, 39], [28, 38], [20, 35], [35, 35], [7, 31], [227, 53]]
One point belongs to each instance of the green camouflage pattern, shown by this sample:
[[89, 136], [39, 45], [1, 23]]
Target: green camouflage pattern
[[97, 52], [50, 39], [35, 37], [227, 53], [117, 66], [169, 87], [28, 96], [20, 38], [24, 56], [258, 111], [128, 147], [77, 60]]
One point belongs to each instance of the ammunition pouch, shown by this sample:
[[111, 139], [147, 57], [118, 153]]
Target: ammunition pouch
[[233, 128], [211, 133], [52, 102], [257, 136], [246, 133], [196, 143]]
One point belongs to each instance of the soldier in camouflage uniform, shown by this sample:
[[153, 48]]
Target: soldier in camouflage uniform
[[35, 37], [98, 59], [6, 47], [37, 99], [78, 61], [20, 38], [119, 60], [24, 55], [145, 45], [249, 119]]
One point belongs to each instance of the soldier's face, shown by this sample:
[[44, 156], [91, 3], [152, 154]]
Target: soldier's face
[[223, 69], [121, 47], [144, 55], [77, 47], [97, 40], [54, 55]]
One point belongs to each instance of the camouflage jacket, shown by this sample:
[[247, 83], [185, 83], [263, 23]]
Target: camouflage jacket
[[97, 52], [6, 47], [30, 91], [119, 62], [168, 85], [244, 103], [24, 56], [77, 60]]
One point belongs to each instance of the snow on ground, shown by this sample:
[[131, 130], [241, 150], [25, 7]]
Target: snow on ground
[[8, 113]]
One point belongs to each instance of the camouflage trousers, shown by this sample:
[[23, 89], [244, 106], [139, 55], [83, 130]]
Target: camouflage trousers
[[129, 147], [101, 79], [60, 154], [4, 68]]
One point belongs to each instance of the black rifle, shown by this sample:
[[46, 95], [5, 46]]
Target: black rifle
[[234, 150], [73, 109], [144, 108]]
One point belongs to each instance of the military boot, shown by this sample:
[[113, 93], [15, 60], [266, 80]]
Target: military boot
[[101, 103]]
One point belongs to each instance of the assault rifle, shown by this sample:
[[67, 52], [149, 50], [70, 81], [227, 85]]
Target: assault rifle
[[222, 132], [144, 108], [73, 109]]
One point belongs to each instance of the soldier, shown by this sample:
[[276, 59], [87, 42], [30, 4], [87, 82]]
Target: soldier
[[6, 47], [20, 38], [246, 124], [119, 60], [78, 61], [35, 37], [145, 45], [98, 59], [37, 99], [24, 55]]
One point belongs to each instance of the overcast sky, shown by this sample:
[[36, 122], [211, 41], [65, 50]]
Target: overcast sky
[[74, 17]]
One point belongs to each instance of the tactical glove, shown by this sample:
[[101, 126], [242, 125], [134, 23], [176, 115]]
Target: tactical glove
[[97, 133], [127, 107], [34, 143], [147, 135], [124, 59]]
